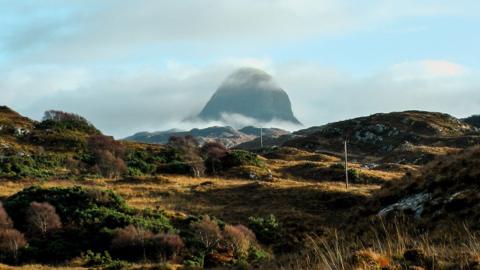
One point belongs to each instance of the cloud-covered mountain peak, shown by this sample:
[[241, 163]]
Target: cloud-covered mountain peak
[[251, 93]]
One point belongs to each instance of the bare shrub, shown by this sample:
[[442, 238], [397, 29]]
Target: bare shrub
[[213, 152], [167, 245], [207, 232], [42, 218], [131, 240], [239, 238], [5, 221], [11, 241], [108, 155], [189, 151], [60, 116]]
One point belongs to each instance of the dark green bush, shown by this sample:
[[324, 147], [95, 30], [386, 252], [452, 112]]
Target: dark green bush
[[241, 158], [96, 259], [89, 217], [60, 126], [67, 140], [103, 260], [267, 229], [68, 202], [257, 255], [60, 245], [101, 217], [175, 167], [143, 162], [38, 166]]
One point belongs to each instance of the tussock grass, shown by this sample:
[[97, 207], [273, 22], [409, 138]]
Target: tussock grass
[[394, 245]]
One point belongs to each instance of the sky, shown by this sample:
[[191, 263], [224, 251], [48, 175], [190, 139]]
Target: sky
[[130, 66]]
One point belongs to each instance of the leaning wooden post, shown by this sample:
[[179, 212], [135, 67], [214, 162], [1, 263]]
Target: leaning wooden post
[[346, 165]]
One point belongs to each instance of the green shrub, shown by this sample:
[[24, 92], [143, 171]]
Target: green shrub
[[84, 207], [257, 255], [196, 260], [267, 230], [40, 166], [100, 217], [61, 126], [145, 161], [68, 202], [134, 172], [89, 217], [176, 167], [241, 158], [354, 175], [103, 260], [66, 140]]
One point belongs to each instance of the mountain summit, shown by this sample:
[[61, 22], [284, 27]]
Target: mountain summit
[[252, 93]]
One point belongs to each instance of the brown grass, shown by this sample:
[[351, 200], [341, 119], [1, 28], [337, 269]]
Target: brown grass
[[391, 248], [303, 207]]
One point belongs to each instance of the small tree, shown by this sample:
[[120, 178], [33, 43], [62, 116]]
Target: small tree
[[239, 238], [207, 232], [130, 239], [213, 152], [5, 221], [59, 116], [11, 241], [167, 245], [189, 151], [42, 218], [108, 155], [60, 120]]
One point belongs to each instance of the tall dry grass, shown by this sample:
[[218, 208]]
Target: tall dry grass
[[388, 248]]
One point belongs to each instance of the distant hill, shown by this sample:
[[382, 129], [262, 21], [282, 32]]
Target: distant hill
[[473, 120], [252, 93], [19, 131], [398, 137], [228, 136]]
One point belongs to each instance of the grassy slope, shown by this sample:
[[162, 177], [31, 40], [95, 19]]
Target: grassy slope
[[304, 200]]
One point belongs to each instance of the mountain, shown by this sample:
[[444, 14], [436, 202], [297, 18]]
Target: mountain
[[251, 93], [228, 136]]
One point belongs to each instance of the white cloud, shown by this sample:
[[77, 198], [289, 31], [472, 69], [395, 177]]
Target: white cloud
[[121, 63], [158, 99], [427, 69], [91, 30]]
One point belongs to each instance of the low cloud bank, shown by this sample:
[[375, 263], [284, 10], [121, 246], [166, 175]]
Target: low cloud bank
[[152, 99]]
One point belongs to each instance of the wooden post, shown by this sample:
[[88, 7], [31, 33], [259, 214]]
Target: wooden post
[[261, 137], [346, 165]]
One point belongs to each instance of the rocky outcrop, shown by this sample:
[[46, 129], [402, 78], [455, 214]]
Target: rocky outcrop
[[443, 193]]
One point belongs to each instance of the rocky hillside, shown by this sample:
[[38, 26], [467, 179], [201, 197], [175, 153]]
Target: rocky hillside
[[399, 137], [447, 191], [51, 134], [227, 136], [252, 93], [66, 145], [12, 123], [473, 120]]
